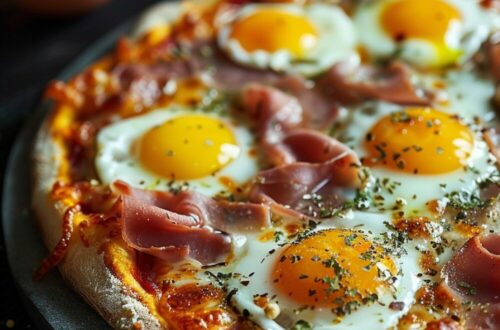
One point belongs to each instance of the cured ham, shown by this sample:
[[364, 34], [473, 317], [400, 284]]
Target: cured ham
[[305, 161], [188, 224], [474, 270], [349, 83], [474, 275]]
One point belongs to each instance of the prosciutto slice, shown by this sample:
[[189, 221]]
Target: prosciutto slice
[[319, 109], [177, 226], [349, 83], [495, 60], [305, 161], [474, 274], [474, 270]]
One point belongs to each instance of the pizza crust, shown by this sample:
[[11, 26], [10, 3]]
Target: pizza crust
[[83, 267]]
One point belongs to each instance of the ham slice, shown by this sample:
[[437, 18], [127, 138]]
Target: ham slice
[[484, 318], [319, 109], [305, 161], [495, 61], [473, 273], [349, 83], [474, 270], [177, 226], [307, 188]]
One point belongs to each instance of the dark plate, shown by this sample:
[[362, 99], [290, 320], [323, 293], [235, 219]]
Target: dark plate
[[50, 302]]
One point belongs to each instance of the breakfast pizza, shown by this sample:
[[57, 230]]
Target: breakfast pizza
[[238, 164]]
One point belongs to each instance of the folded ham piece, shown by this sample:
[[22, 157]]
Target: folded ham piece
[[349, 83], [305, 162], [187, 224], [474, 275]]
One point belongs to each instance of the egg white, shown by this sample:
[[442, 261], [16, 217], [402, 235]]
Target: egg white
[[254, 263], [475, 28], [463, 92], [115, 159], [336, 41], [411, 192]]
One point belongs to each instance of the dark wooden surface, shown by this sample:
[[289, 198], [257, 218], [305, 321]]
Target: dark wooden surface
[[34, 50]]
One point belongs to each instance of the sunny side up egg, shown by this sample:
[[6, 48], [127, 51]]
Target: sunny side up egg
[[341, 274], [426, 33], [289, 38], [174, 147], [417, 155]]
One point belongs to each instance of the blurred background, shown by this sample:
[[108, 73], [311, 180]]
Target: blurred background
[[38, 38]]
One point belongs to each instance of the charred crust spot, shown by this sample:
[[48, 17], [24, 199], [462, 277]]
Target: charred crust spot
[[188, 296]]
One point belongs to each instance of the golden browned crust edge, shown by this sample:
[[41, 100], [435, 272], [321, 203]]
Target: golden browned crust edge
[[83, 267]]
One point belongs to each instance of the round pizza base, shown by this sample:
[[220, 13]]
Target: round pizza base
[[83, 267]]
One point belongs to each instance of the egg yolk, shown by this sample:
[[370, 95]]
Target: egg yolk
[[333, 268], [419, 141], [272, 30], [422, 19], [188, 147], [430, 20]]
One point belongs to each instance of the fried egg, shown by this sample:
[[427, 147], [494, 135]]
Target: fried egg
[[289, 38], [417, 155], [350, 273], [426, 33], [174, 147]]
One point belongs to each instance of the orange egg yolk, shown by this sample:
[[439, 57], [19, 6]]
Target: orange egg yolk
[[419, 141], [272, 30], [188, 147], [420, 19], [332, 268]]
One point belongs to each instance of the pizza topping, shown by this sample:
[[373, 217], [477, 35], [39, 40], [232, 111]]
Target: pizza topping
[[306, 161], [492, 138], [196, 209], [170, 236], [176, 226], [474, 275], [351, 84], [306, 187], [274, 113], [474, 270], [484, 317], [495, 61], [59, 252], [319, 110], [192, 306]]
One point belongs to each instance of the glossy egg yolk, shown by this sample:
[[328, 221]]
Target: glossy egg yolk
[[419, 141], [273, 30], [188, 147], [421, 19], [332, 268], [430, 20]]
